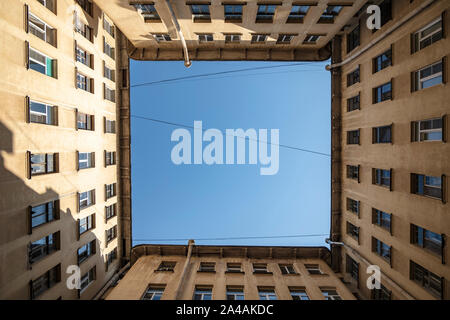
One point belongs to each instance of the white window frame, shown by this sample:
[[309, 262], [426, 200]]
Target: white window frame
[[151, 292], [235, 292], [314, 267], [207, 37], [202, 292], [232, 38], [421, 132], [88, 199], [48, 110], [87, 161], [162, 37], [110, 190], [256, 38], [301, 293], [418, 34], [260, 267], [328, 296], [420, 81], [266, 294], [282, 38], [46, 25], [38, 62], [312, 38], [110, 94], [87, 279], [83, 82]]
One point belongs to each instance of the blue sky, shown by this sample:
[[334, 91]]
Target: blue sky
[[201, 201]]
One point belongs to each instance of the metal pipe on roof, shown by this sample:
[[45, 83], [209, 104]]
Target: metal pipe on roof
[[187, 62]]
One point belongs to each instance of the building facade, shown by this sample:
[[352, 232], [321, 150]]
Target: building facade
[[64, 198], [390, 152], [191, 272]]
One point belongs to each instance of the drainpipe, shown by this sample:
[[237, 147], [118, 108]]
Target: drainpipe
[[393, 28], [191, 244], [187, 62], [367, 262]]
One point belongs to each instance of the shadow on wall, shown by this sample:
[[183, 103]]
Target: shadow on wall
[[16, 235]]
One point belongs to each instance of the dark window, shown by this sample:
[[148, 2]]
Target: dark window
[[86, 160], [353, 39], [427, 77], [86, 199], [427, 239], [285, 38], [111, 234], [235, 293], [259, 38], [154, 292], [353, 172], [205, 37], [382, 61], [232, 38], [85, 121], [110, 257], [166, 266], [428, 280], [299, 294], [207, 267], [265, 13], [382, 93], [43, 113], [353, 77], [427, 35], [161, 37], [260, 268], [331, 294], [110, 126], [86, 5], [233, 12], [382, 249], [297, 14], [203, 293], [110, 158], [313, 269], [43, 247], [86, 251], [148, 11], [353, 137], [381, 177], [43, 163], [86, 224], [200, 12], [111, 211], [45, 281], [353, 231], [234, 267], [87, 279], [352, 268], [427, 130], [267, 294], [381, 294], [426, 186], [287, 269], [386, 11], [353, 206], [382, 219], [353, 103], [330, 13], [49, 4], [44, 213], [382, 134]]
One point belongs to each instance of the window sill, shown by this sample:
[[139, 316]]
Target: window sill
[[261, 272], [236, 272], [205, 271], [164, 271]]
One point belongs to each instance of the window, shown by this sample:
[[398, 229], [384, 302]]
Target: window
[[108, 26], [110, 257], [427, 36], [382, 134], [428, 280], [235, 293], [86, 5], [297, 14], [87, 279], [43, 247], [41, 29], [205, 37], [260, 268], [108, 49], [233, 12], [427, 239], [83, 29], [161, 37], [427, 77], [353, 103], [267, 294], [111, 234], [285, 38], [313, 269], [330, 13], [232, 38], [353, 231], [428, 186], [352, 268], [109, 94], [84, 57], [287, 269], [353, 77], [110, 211], [311, 39], [382, 249], [110, 158], [110, 190], [85, 83], [331, 294], [353, 206], [383, 61], [148, 11], [353, 172], [299, 294], [85, 121], [86, 199], [265, 13], [382, 93], [427, 130], [202, 293], [207, 267], [381, 294], [353, 137], [353, 39], [259, 38], [382, 219], [109, 73], [41, 63], [110, 126], [386, 11], [44, 213], [381, 177], [154, 292], [49, 4], [166, 266], [200, 12], [86, 251], [43, 113], [86, 160], [43, 163], [234, 268], [86, 224], [45, 281]]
